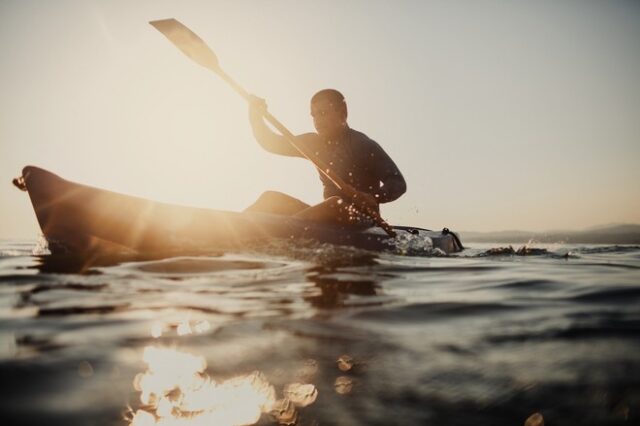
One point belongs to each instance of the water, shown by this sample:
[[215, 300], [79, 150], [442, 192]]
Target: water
[[322, 336]]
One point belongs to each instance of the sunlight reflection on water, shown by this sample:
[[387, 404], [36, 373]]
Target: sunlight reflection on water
[[175, 389]]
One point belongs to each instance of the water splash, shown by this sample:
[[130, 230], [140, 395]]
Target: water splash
[[510, 251], [42, 246], [408, 244]]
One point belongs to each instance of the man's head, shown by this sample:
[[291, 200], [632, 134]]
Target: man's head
[[329, 112]]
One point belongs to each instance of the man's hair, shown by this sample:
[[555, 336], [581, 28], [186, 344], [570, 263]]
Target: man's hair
[[332, 95]]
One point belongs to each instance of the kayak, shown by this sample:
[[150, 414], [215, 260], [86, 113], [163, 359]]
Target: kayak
[[77, 218]]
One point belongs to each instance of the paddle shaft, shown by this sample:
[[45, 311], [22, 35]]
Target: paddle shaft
[[196, 49]]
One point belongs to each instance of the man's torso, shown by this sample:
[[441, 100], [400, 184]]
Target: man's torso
[[352, 157]]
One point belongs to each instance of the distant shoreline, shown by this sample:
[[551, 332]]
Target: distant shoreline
[[614, 234]]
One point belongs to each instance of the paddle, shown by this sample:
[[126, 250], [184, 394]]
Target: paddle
[[196, 49]]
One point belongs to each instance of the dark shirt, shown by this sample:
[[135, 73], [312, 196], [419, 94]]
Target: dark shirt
[[354, 157]]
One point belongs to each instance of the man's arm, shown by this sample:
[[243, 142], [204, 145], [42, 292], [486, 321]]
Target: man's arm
[[268, 139], [392, 182], [393, 186]]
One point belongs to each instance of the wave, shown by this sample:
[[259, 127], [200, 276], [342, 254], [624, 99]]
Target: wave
[[609, 295], [422, 311], [593, 326]]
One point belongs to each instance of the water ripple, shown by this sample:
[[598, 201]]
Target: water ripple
[[367, 338]]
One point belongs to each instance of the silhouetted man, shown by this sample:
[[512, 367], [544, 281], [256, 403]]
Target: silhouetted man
[[350, 154]]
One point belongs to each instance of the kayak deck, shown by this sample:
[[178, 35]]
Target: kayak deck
[[80, 218]]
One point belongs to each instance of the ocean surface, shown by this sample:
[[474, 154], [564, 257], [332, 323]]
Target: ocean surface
[[320, 335]]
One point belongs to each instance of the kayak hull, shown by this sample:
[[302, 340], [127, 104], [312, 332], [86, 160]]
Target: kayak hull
[[80, 218]]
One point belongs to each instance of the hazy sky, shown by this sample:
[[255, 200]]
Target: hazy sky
[[500, 114]]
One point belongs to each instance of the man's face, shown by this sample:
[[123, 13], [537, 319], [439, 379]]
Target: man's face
[[329, 120]]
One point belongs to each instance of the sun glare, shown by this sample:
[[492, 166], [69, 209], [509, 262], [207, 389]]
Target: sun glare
[[176, 390]]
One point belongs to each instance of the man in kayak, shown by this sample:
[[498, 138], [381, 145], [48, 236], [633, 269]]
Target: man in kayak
[[350, 154]]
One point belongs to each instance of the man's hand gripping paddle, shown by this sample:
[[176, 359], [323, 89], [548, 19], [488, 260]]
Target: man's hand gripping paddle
[[196, 49]]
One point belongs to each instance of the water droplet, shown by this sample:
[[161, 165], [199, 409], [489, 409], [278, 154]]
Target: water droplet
[[535, 419], [301, 394], [343, 385], [345, 363]]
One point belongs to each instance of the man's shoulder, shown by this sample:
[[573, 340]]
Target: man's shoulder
[[358, 135], [363, 140]]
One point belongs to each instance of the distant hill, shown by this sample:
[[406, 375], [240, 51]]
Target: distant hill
[[607, 234]]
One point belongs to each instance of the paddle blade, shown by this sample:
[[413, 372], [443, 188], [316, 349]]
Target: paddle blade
[[188, 42]]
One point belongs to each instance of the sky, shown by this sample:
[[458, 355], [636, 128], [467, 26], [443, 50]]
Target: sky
[[501, 115]]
